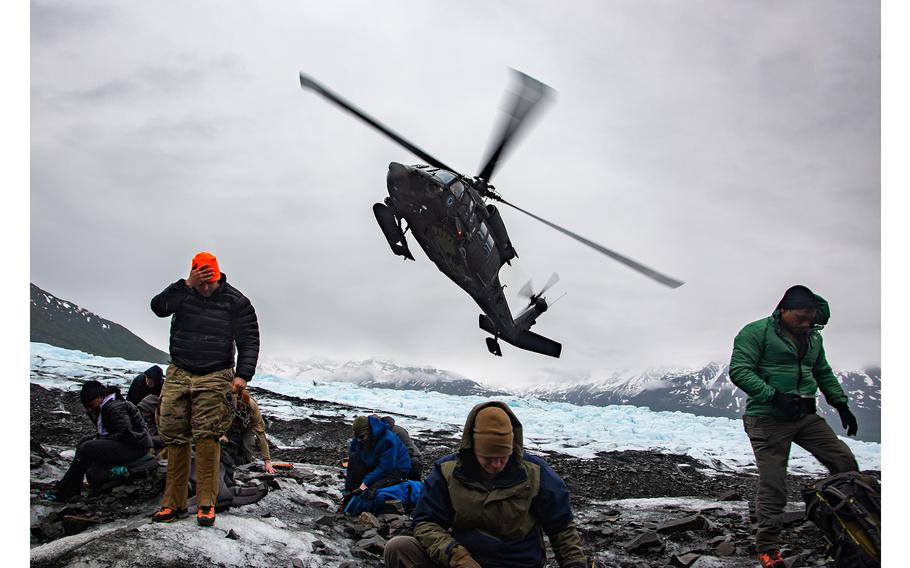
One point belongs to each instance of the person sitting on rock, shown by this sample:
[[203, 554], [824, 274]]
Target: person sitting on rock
[[247, 425], [147, 408], [122, 437], [376, 457], [413, 451], [489, 504], [146, 383]]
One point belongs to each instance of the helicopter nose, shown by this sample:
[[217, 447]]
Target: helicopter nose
[[398, 176]]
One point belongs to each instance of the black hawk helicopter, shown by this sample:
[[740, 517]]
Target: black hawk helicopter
[[447, 214]]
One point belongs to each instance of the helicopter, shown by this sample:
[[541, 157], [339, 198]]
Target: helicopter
[[449, 216]]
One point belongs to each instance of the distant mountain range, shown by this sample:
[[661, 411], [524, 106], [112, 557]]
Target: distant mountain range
[[706, 391], [64, 324], [378, 373]]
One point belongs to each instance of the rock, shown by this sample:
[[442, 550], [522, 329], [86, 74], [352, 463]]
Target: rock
[[327, 520], [644, 541], [731, 496], [374, 545], [792, 518], [684, 560], [718, 539], [368, 519], [317, 544], [297, 563], [232, 535], [725, 548], [74, 524], [691, 523]]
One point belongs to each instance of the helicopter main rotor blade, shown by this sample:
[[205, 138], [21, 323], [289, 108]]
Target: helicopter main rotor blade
[[308, 82], [649, 272], [531, 91]]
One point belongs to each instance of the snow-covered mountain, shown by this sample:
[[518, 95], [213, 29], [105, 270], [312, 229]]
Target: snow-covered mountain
[[708, 391], [705, 391], [377, 373], [63, 323]]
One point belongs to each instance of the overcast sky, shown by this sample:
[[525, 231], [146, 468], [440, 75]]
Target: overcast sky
[[735, 146]]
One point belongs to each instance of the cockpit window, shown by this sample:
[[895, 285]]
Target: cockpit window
[[444, 176], [457, 189]]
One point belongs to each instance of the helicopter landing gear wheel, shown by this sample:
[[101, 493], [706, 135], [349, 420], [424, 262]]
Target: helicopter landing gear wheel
[[493, 346]]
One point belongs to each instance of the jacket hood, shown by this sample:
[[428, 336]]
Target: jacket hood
[[377, 426], [821, 317], [467, 437]]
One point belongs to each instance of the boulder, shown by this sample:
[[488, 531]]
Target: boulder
[[690, 523], [644, 541]]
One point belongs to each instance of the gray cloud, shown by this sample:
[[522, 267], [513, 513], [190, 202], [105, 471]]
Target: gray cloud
[[735, 146]]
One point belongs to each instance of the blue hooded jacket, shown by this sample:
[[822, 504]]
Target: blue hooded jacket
[[385, 456]]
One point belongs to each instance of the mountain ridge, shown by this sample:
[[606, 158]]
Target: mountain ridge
[[64, 324]]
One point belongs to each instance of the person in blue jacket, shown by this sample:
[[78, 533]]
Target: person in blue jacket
[[376, 457]]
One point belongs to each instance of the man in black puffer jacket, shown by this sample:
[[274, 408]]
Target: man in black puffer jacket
[[121, 438], [208, 318]]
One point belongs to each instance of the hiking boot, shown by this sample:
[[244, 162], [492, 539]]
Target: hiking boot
[[167, 515], [205, 516], [772, 559], [120, 471], [49, 496]]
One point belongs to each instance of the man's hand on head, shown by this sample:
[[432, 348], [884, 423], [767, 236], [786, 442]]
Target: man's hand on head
[[202, 274]]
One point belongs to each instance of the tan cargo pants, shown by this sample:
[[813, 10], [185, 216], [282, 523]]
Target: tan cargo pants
[[771, 438], [193, 408], [406, 552]]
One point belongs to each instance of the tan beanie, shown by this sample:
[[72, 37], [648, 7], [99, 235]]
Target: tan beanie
[[492, 433]]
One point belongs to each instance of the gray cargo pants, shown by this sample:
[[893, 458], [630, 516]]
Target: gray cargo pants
[[771, 439]]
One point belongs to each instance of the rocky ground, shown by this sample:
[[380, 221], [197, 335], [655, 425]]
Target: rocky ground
[[634, 508]]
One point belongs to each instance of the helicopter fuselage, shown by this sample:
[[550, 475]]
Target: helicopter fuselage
[[452, 224]]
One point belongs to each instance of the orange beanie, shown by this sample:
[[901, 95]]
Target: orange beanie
[[493, 433], [207, 258]]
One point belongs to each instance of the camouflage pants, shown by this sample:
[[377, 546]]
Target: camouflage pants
[[193, 408]]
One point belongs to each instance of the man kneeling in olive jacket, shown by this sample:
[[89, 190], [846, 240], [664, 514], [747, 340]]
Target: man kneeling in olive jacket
[[489, 504]]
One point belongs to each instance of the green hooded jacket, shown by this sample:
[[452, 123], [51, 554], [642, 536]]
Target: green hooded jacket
[[765, 360]]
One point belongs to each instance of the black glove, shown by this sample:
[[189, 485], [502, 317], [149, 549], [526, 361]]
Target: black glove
[[786, 404], [847, 420]]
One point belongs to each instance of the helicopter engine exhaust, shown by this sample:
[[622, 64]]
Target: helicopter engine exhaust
[[392, 231]]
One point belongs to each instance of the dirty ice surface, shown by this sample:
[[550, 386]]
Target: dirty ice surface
[[581, 431]]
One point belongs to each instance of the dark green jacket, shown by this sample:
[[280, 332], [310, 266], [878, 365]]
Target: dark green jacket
[[766, 360], [500, 522]]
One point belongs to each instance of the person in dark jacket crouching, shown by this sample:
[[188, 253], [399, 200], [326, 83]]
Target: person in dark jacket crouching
[[121, 438], [489, 505], [208, 317], [146, 383], [376, 457]]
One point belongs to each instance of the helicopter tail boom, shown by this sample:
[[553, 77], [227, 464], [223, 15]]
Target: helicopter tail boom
[[523, 339]]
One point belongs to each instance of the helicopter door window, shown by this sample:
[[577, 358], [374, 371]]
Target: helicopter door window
[[457, 189]]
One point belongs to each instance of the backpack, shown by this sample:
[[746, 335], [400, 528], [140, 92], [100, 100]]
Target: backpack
[[847, 508]]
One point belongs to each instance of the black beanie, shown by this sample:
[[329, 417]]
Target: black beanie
[[155, 373], [90, 391], [797, 298]]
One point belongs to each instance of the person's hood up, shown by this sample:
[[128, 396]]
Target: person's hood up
[[377, 426], [467, 437], [156, 373], [821, 317]]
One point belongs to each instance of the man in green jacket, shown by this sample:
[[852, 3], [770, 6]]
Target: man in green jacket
[[490, 504], [779, 361]]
